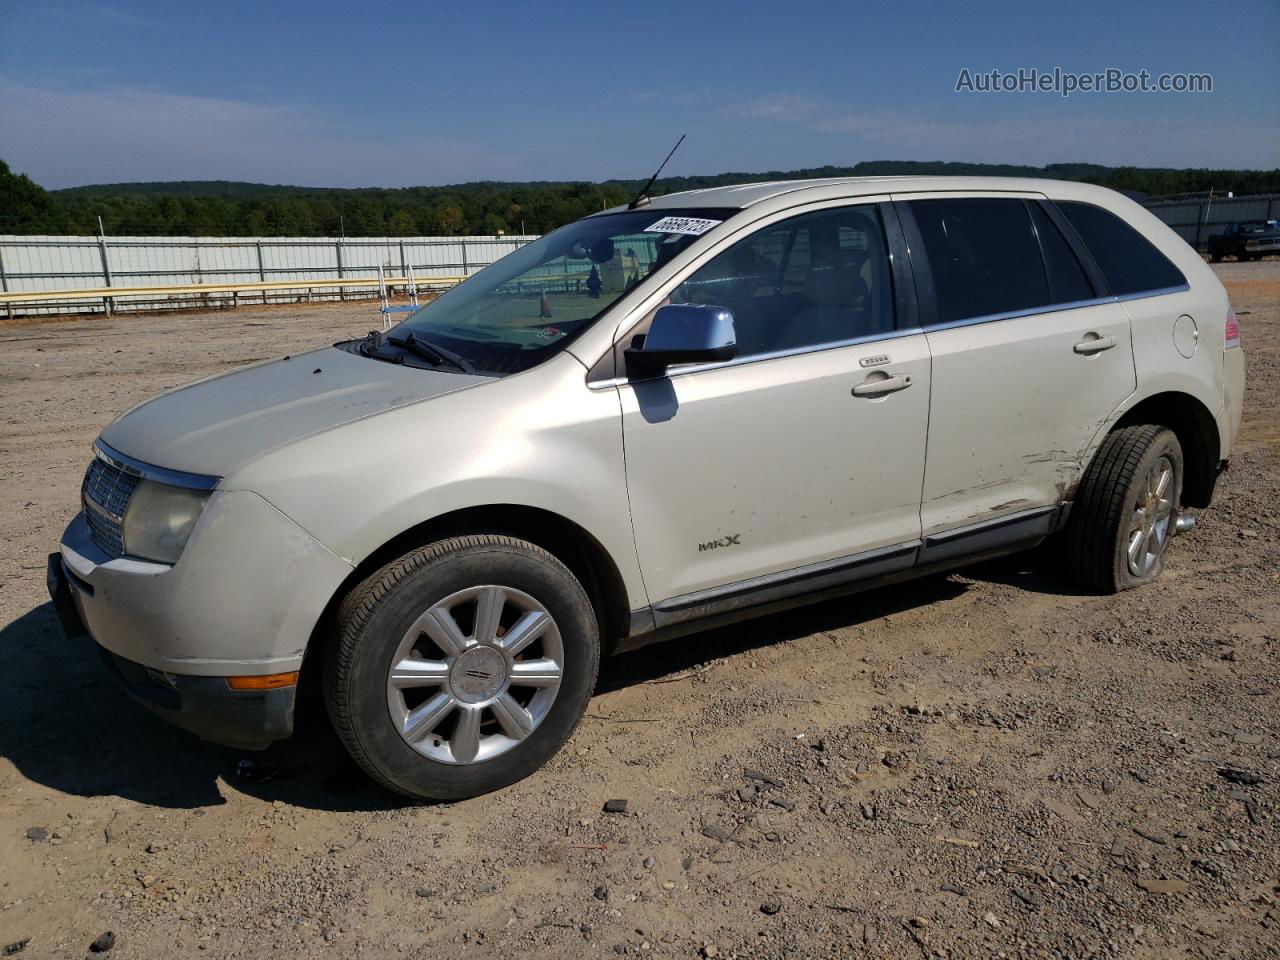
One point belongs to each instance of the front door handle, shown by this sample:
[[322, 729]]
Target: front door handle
[[1094, 344], [881, 385]]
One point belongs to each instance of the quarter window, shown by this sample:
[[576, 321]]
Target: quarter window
[[816, 279], [1067, 280], [1126, 258]]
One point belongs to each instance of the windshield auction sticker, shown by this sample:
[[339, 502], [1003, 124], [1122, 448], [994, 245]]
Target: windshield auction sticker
[[687, 225]]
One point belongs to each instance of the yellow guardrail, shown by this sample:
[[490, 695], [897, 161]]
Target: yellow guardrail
[[111, 293]]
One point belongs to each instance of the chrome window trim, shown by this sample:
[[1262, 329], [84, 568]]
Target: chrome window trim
[[759, 357], [173, 478], [1161, 292], [1058, 307], [896, 334], [1016, 314], [634, 315]]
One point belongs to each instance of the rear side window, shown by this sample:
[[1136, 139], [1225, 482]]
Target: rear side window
[[984, 256], [1126, 258], [1067, 280]]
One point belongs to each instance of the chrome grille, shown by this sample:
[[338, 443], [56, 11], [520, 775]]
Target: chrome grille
[[106, 493]]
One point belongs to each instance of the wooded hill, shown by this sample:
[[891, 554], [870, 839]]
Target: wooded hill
[[228, 208]]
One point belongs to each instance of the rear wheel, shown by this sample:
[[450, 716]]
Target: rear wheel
[[462, 667], [1126, 509]]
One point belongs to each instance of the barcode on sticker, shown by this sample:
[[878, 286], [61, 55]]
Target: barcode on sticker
[[689, 225]]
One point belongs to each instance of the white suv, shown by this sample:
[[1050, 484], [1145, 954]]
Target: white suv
[[704, 406]]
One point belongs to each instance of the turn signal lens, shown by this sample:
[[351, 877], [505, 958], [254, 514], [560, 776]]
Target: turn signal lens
[[271, 681], [1232, 331]]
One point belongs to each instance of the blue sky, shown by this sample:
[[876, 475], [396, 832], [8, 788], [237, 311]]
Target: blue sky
[[381, 94]]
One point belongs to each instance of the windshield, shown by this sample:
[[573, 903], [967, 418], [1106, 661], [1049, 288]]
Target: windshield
[[532, 303]]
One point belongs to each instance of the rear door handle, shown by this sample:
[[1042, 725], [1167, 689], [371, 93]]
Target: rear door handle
[[881, 385], [1094, 344]]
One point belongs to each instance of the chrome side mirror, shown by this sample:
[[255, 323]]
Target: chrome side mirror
[[684, 333]]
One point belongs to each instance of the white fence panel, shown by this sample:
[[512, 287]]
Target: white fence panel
[[41, 263]]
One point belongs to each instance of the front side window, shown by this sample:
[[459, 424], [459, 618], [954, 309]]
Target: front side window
[[984, 257], [1129, 261], [532, 303], [816, 279]]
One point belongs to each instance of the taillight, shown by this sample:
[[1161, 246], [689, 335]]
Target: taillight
[[1231, 332]]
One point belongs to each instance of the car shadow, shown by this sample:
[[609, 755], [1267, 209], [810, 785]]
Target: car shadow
[[66, 724], [1035, 571]]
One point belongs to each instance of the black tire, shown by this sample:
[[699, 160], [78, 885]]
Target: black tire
[[375, 616], [1215, 256], [1096, 535]]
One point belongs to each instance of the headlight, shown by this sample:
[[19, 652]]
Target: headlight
[[160, 519]]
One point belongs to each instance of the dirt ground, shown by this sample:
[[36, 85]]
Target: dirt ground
[[985, 764]]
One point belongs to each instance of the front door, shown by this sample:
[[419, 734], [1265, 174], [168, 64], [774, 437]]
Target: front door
[[793, 453]]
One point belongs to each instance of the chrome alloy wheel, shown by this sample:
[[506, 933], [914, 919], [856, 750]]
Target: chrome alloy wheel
[[1152, 520], [475, 674]]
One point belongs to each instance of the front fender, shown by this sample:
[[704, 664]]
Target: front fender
[[539, 439]]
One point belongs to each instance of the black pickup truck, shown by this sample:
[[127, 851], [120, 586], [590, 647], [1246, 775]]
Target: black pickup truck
[[1247, 240]]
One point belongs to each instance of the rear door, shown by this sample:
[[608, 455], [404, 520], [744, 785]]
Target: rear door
[[792, 454], [1029, 358]]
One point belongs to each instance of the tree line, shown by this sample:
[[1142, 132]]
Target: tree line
[[221, 208]]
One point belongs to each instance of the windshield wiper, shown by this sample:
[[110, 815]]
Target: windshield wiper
[[436, 356]]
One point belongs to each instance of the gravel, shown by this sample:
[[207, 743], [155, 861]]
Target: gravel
[[990, 752]]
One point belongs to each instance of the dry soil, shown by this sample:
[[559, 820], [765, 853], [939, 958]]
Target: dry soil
[[986, 764]]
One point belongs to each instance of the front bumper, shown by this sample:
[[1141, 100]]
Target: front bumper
[[205, 706], [242, 600]]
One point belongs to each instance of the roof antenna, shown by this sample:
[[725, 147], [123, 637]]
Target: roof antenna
[[643, 196]]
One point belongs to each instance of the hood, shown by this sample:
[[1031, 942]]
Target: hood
[[214, 425]]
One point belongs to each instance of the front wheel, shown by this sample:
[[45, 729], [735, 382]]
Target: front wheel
[[461, 667], [1126, 509]]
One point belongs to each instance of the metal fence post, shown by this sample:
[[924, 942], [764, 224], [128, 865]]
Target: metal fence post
[[465, 271], [342, 291], [262, 274], [4, 283], [404, 264], [106, 265]]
